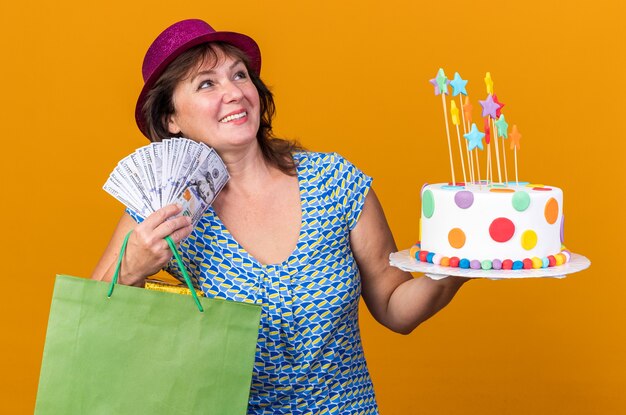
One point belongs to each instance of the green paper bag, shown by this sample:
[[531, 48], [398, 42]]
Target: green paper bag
[[145, 352]]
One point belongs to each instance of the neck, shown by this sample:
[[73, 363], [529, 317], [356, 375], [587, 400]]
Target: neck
[[248, 170]]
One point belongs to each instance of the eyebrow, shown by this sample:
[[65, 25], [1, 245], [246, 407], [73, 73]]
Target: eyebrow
[[211, 71]]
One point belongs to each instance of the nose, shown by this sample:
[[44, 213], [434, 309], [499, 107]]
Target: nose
[[232, 92]]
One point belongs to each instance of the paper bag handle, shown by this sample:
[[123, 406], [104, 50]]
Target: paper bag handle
[[174, 250]]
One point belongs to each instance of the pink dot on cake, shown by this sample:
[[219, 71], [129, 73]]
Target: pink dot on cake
[[501, 229], [542, 189]]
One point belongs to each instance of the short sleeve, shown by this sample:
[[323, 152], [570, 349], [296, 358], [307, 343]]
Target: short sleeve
[[172, 266], [353, 186], [136, 217]]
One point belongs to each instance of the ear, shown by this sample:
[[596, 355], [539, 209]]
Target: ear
[[172, 125]]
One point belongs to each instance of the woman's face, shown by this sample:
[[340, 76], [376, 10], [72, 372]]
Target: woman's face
[[217, 104]]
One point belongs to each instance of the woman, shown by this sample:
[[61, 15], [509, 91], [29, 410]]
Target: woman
[[300, 233]]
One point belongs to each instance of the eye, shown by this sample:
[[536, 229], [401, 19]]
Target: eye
[[241, 75], [205, 84]]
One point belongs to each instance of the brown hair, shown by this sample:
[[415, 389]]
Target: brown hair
[[159, 104]]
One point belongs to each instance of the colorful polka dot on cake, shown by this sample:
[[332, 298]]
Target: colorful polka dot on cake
[[529, 239], [551, 210], [521, 201], [464, 199], [501, 229], [428, 203], [452, 187], [456, 237]]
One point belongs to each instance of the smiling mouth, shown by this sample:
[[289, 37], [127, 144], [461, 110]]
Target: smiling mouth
[[233, 117]]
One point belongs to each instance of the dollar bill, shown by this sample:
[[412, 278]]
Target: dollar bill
[[177, 170]]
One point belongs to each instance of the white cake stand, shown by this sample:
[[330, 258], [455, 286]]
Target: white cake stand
[[405, 262]]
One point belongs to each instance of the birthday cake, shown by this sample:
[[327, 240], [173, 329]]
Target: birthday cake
[[498, 226], [492, 223]]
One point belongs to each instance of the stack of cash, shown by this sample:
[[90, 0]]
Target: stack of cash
[[177, 170]]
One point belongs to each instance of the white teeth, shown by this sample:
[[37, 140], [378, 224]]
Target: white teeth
[[234, 117]]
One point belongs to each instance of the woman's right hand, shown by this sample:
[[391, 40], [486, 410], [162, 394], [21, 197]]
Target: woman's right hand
[[147, 251]]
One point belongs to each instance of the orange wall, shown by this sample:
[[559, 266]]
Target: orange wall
[[351, 78]]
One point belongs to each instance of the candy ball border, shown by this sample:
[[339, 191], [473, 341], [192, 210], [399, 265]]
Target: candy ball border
[[487, 264]]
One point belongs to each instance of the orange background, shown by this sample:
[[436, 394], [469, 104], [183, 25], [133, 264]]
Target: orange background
[[350, 77]]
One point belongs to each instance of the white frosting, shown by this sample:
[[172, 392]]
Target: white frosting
[[475, 221]]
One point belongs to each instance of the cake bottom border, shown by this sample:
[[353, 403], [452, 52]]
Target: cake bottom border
[[405, 262]]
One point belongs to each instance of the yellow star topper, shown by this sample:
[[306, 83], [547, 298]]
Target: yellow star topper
[[454, 111], [489, 83]]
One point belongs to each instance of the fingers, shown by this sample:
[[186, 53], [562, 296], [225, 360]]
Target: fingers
[[182, 233], [160, 216], [172, 226]]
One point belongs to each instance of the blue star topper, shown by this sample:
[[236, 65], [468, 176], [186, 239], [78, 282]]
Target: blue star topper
[[475, 138], [458, 85]]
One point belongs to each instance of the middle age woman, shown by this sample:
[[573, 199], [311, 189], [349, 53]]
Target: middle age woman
[[301, 233]]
